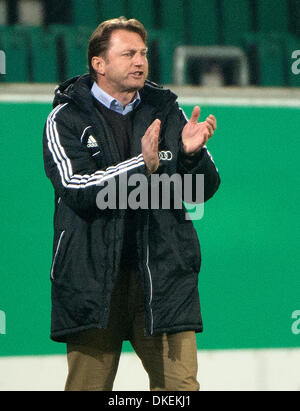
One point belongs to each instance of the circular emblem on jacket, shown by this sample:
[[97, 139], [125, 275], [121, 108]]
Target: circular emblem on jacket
[[165, 155]]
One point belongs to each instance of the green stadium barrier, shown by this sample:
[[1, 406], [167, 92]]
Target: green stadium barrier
[[202, 23], [249, 282]]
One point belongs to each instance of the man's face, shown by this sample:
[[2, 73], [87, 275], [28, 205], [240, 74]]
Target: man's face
[[125, 66]]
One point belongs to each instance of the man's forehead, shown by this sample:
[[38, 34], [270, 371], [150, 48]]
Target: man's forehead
[[126, 39]]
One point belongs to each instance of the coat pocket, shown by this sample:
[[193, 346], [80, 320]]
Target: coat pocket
[[58, 248]]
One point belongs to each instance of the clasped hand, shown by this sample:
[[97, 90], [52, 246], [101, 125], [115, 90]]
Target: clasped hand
[[194, 136]]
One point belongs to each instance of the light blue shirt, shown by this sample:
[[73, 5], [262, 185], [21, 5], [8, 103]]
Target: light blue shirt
[[111, 102]]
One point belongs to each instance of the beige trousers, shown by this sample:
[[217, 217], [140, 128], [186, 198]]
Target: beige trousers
[[170, 360]]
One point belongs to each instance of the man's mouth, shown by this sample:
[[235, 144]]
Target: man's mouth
[[137, 74]]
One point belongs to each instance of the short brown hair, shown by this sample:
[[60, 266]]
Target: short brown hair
[[99, 41]]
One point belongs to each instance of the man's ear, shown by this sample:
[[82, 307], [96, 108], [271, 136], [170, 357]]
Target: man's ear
[[98, 64]]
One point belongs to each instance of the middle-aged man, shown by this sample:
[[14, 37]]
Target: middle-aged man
[[123, 273]]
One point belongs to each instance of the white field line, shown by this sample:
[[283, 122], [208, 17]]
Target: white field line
[[211, 101]]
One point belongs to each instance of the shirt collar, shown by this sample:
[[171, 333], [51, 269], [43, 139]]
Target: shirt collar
[[111, 102]]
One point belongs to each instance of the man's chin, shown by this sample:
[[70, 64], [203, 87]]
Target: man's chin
[[135, 87]]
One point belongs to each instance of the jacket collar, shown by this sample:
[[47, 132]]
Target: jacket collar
[[78, 90]]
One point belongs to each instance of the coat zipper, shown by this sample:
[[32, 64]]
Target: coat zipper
[[150, 282], [150, 300], [56, 252]]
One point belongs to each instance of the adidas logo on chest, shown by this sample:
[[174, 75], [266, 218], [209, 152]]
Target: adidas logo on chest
[[91, 142]]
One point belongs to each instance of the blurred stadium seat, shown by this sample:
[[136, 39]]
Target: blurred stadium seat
[[172, 15], [202, 23], [267, 57], [15, 46], [290, 44], [294, 12], [236, 20], [161, 48], [144, 11], [85, 15], [71, 44], [110, 9], [272, 15], [43, 51], [248, 24]]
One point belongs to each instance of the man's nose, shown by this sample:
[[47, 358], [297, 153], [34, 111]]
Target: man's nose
[[139, 59]]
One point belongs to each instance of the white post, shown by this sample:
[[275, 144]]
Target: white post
[[2, 62], [2, 322]]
